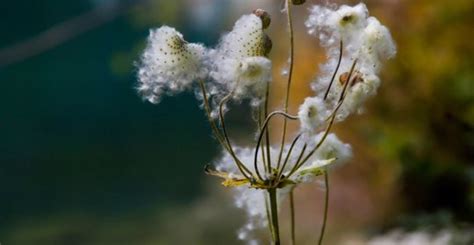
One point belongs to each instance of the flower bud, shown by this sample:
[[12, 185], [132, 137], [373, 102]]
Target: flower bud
[[298, 2], [264, 16]]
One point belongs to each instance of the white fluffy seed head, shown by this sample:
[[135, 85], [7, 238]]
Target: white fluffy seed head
[[377, 44], [364, 39], [239, 63], [246, 39], [334, 25], [169, 64], [312, 114]]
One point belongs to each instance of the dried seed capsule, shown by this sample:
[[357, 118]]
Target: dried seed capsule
[[298, 2], [355, 78], [264, 16]]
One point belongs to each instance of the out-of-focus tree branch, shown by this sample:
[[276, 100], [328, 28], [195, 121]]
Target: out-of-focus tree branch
[[65, 31]]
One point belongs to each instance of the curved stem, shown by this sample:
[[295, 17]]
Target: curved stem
[[290, 75], [274, 213], [262, 130], [292, 218], [326, 207]]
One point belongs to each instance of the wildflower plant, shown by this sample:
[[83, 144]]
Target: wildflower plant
[[265, 174]]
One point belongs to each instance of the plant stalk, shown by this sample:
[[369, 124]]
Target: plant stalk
[[326, 206], [274, 213], [292, 218]]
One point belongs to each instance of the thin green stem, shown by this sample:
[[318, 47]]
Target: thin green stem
[[292, 218], [290, 76], [326, 207], [274, 213]]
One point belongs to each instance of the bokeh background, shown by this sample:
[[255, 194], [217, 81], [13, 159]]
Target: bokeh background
[[83, 160]]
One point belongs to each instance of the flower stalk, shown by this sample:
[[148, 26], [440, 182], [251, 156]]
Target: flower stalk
[[272, 192]]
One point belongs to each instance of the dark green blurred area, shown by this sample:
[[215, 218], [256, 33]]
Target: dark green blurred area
[[76, 139]]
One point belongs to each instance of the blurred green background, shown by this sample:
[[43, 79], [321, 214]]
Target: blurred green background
[[83, 160]]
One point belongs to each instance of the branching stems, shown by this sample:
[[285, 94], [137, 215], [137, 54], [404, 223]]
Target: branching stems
[[262, 131]]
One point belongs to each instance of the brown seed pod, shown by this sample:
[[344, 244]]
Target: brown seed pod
[[355, 78], [264, 16], [298, 2]]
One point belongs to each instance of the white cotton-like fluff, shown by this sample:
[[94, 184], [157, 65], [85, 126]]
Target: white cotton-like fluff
[[169, 64], [332, 147], [377, 44], [364, 39], [333, 25], [248, 75], [246, 39], [312, 114], [239, 64]]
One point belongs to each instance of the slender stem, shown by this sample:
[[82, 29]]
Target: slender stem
[[267, 134], [326, 206], [239, 163], [290, 76], [274, 213], [335, 71], [292, 218], [269, 215]]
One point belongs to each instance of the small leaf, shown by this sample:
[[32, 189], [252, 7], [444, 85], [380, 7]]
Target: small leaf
[[316, 169], [228, 180], [231, 182]]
